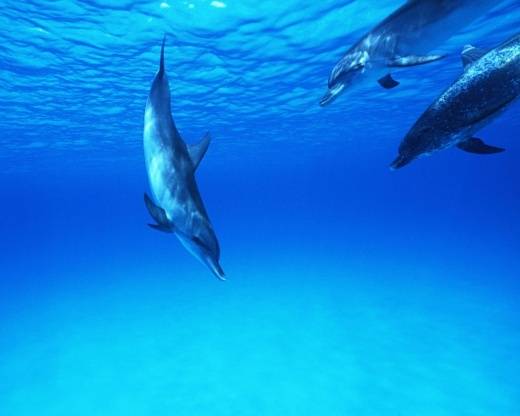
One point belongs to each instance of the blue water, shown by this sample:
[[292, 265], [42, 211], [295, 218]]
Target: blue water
[[352, 289]]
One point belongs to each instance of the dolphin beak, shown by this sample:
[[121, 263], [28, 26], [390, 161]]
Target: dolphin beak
[[332, 94], [400, 161], [216, 269]]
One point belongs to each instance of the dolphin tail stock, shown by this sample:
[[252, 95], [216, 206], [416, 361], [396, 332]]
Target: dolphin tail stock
[[477, 146], [198, 150], [159, 215]]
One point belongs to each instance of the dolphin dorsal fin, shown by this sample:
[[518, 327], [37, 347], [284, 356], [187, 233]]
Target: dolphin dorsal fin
[[161, 62], [198, 150], [471, 54]]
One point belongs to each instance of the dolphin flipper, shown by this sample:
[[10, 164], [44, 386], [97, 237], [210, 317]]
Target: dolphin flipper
[[388, 82], [158, 215], [477, 146], [413, 60], [163, 228], [198, 150]]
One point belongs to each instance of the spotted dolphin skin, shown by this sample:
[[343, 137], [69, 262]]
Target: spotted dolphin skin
[[176, 206], [489, 84], [403, 39]]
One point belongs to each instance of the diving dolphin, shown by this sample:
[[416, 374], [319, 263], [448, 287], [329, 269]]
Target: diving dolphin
[[489, 84], [170, 163], [403, 39]]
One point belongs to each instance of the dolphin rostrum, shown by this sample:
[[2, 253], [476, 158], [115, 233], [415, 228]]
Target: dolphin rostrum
[[403, 39], [489, 84], [177, 206]]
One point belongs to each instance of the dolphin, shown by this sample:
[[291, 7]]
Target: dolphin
[[403, 39], [489, 84], [176, 206]]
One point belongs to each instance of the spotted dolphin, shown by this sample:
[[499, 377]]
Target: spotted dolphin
[[403, 39], [489, 84], [176, 206]]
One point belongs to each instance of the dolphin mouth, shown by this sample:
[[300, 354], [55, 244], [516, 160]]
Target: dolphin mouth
[[331, 94], [216, 269], [400, 161]]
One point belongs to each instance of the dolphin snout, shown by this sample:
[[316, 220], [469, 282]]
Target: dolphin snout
[[327, 99], [216, 269], [331, 95], [400, 161]]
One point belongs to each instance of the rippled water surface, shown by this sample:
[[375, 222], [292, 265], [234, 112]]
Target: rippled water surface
[[352, 289], [75, 74]]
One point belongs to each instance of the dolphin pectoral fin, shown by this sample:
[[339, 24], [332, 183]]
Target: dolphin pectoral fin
[[388, 82], [471, 54], [159, 215], [163, 228], [198, 150], [413, 60], [477, 146]]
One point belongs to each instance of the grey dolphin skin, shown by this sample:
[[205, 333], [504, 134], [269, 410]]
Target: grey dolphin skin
[[403, 39], [177, 206], [489, 84]]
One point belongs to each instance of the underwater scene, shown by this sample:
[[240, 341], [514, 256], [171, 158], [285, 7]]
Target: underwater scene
[[242, 207]]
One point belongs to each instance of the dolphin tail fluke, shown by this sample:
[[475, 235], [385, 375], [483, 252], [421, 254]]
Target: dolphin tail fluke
[[198, 150], [477, 146], [159, 215]]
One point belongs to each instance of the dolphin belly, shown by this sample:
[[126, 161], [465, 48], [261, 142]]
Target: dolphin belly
[[158, 155]]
